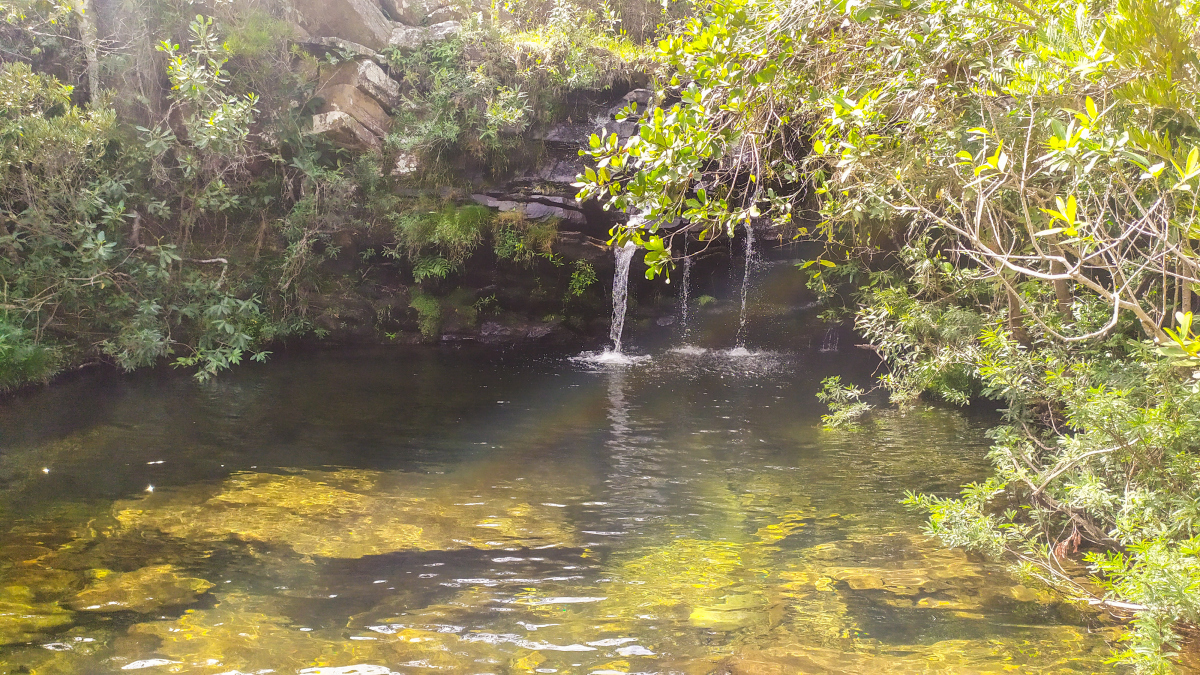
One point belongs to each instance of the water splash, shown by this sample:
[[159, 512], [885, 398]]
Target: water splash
[[620, 293], [741, 334], [684, 294]]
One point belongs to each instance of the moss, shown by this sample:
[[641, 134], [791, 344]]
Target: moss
[[344, 514], [23, 619], [429, 314], [143, 590]]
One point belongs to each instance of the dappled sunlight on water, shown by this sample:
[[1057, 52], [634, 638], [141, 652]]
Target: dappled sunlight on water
[[480, 512]]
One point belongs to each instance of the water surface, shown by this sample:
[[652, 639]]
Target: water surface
[[467, 510]]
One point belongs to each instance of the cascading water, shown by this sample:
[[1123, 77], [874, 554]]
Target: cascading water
[[620, 293], [830, 342], [741, 334], [683, 295]]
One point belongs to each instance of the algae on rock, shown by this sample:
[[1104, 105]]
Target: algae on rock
[[347, 514], [23, 618], [143, 590]]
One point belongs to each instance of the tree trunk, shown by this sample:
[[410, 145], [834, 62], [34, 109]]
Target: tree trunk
[[1015, 325], [1062, 291], [87, 30]]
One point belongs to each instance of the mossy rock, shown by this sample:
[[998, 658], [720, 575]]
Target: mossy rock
[[22, 619], [143, 590], [348, 514]]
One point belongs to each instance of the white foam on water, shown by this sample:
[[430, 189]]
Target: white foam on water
[[609, 357]]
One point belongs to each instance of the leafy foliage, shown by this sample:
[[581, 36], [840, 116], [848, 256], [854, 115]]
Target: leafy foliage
[[1023, 179]]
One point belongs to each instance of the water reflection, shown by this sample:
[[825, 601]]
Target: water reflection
[[500, 512]]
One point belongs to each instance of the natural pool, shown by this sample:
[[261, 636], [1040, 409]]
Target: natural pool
[[473, 510]]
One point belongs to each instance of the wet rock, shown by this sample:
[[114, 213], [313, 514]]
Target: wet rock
[[23, 619], [143, 590], [346, 514], [360, 21], [352, 101], [563, 172], [344, 131], [579, 246], [368, 77], [244, 633], [732, 613], [571, 135]]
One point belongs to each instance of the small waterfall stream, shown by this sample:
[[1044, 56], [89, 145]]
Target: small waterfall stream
[[741, 333], [684, 293], [620, 293]]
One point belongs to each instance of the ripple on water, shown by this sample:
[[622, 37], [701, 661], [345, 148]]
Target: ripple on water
[[598, 532]]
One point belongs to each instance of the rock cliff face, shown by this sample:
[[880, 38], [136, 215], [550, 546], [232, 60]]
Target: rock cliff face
[[361, 102], [359, 97]]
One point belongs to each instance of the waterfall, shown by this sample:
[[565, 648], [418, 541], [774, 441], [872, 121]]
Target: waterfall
[[830, 342], [684, 293], [620, 293], [741, 334]]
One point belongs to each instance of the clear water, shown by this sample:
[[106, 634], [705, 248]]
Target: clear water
[[466, 510]]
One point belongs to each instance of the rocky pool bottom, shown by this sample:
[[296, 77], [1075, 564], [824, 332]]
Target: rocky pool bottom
[[475, 511]]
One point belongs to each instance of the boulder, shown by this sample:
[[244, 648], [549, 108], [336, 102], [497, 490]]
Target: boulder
[[355, 103], [411, 12], [408, 38], [338, 47], [368, 77], [344, 131], [445, 14], [445, 30], [360, 21]]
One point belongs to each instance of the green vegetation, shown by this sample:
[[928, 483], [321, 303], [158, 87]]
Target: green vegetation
[[162, 196], [1007, 193], [1021, 181]]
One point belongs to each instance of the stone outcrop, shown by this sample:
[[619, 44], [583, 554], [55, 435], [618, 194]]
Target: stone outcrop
[[367, 76], [352, 101], [361, 21], [322, 46], [408, 38], [411, 12], [533, 206], [344, 131]]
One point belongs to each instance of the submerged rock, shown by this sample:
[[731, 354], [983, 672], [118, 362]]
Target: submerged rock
[[243, 633], [347, 514], [23, 619], [143, 590]]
